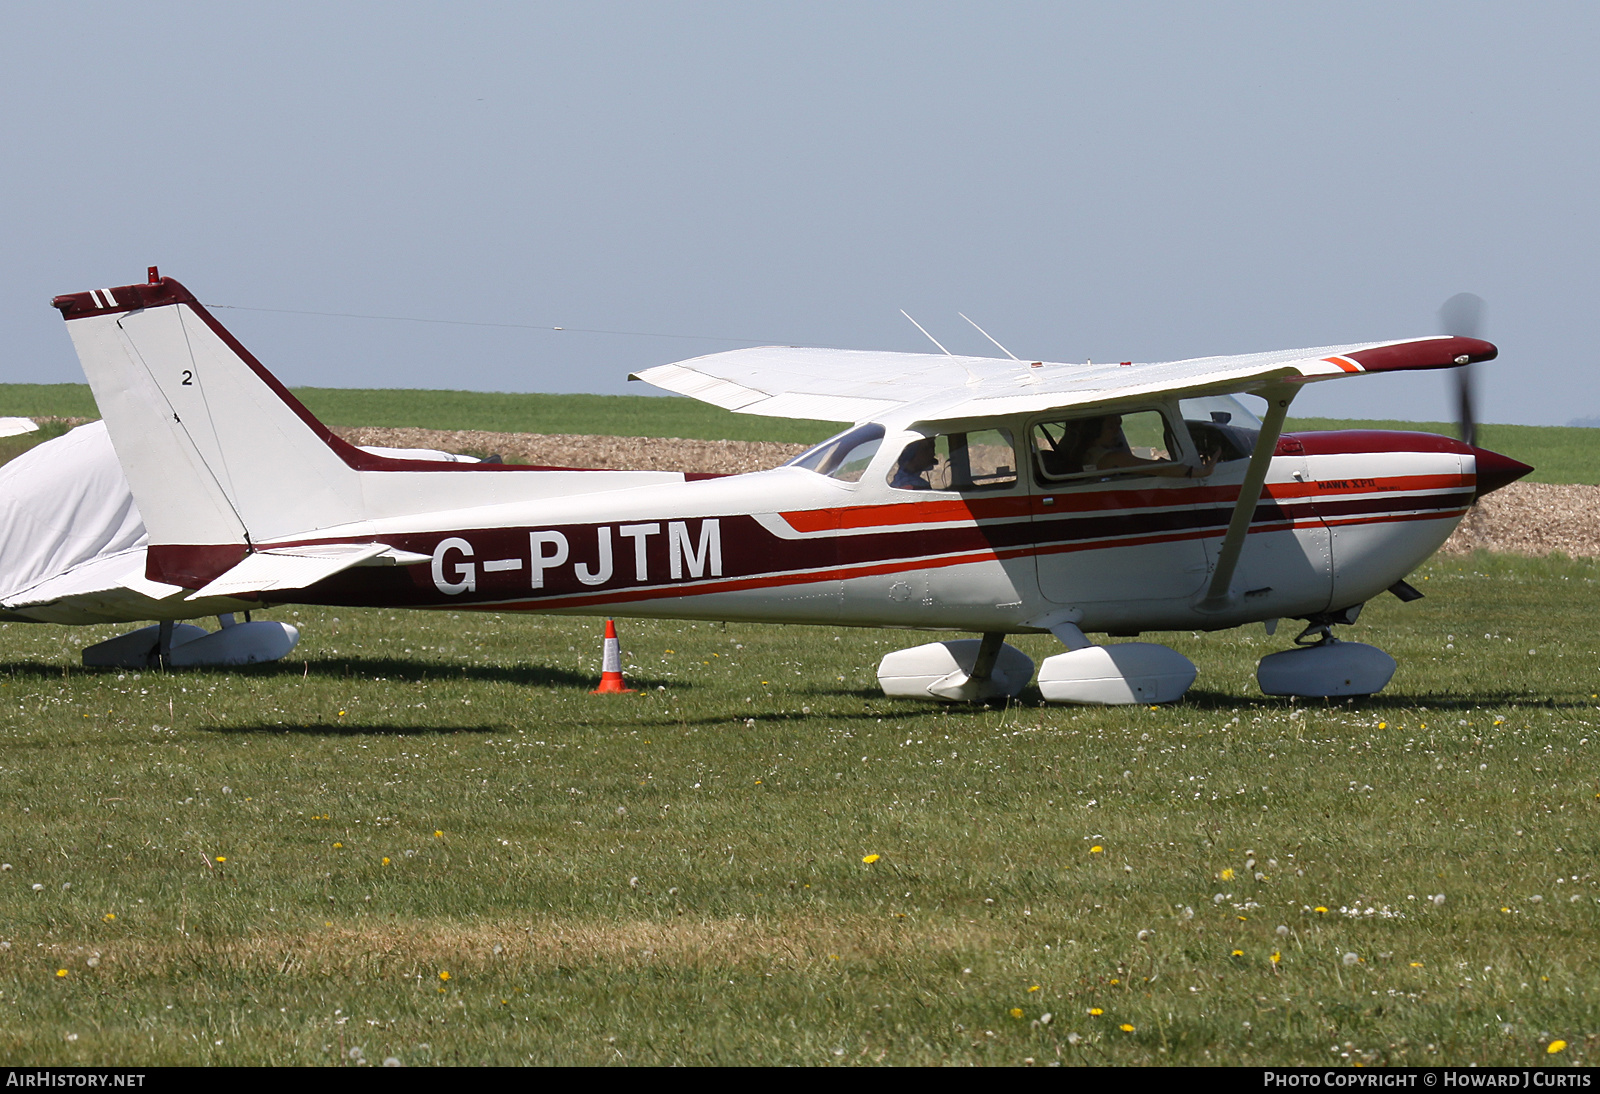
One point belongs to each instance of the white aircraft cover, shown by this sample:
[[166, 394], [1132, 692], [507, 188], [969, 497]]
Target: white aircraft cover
[[68, 524], [72, 543], [857, 385]]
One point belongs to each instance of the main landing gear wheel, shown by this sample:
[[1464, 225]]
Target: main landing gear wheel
[[1325, 668], [1116, 675], [184, 645], [963, 671]]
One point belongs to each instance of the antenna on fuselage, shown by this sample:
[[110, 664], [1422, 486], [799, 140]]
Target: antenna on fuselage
[[990, 337], [926, 335]]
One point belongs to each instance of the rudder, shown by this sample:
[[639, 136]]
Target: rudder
[[219, 455]]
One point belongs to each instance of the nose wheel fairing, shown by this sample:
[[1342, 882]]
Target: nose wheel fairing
[[1328, 669]]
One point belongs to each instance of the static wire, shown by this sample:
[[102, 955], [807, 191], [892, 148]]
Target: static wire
[[513, 326]]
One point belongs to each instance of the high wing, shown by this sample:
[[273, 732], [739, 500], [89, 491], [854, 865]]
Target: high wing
[[855, 385]]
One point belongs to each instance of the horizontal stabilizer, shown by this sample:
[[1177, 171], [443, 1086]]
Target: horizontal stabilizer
[[291, 568]]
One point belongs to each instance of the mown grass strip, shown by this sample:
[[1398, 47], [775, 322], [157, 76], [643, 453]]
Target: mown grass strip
[[280, 864]]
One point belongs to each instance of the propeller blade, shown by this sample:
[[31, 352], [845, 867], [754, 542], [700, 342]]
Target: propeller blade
[[1462, 316], [1466, 418]]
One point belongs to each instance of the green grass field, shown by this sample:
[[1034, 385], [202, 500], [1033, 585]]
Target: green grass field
[[1558, 453], [608, 415], [422, 838]]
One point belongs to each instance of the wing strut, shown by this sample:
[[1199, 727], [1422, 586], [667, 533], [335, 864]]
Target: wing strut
[[1278, 399]]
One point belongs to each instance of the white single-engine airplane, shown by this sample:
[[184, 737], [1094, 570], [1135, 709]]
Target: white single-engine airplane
[[969, 493]]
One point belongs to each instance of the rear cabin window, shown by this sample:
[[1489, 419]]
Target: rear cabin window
[[978, 459], [1103, 444]]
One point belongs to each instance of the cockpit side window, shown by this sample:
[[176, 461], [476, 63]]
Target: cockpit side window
[[844, 457], [977, 459]]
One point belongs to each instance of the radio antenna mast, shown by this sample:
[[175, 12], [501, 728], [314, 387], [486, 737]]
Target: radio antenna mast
[[926, 335], [989, 336]]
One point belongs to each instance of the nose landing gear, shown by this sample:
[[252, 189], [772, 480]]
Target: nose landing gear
[[1322, 667]]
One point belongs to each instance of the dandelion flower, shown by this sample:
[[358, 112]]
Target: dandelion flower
[[109, 916], [438, 833], [1320, 910], [1034, 988], [222, 858], [1237, 953], [1096, 849], [869, 859], [1227, 873], [443, 975], [61, 972], [1016, 1012], [338, 844], [1416, 964], [1383, 725], [386, 860], [1126, 1027], [1555, 1046], [1096, 1011], [1276, 957]]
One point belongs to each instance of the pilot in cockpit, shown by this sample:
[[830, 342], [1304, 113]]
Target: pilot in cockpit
[[915, 462]]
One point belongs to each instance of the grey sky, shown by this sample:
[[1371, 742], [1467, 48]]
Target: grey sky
[[1115, 181]]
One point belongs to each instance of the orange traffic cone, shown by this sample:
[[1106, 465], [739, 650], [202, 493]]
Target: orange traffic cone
[[611, 666]]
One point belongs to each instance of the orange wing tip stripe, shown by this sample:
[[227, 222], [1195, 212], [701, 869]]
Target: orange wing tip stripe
[[1345, 363]]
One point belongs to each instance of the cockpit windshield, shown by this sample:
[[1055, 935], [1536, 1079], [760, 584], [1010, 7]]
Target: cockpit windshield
[[1224, 427], [1222, 409], [844, 457]]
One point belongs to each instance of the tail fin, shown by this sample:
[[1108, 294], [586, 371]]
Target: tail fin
[[223, 460], [218, 453]]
